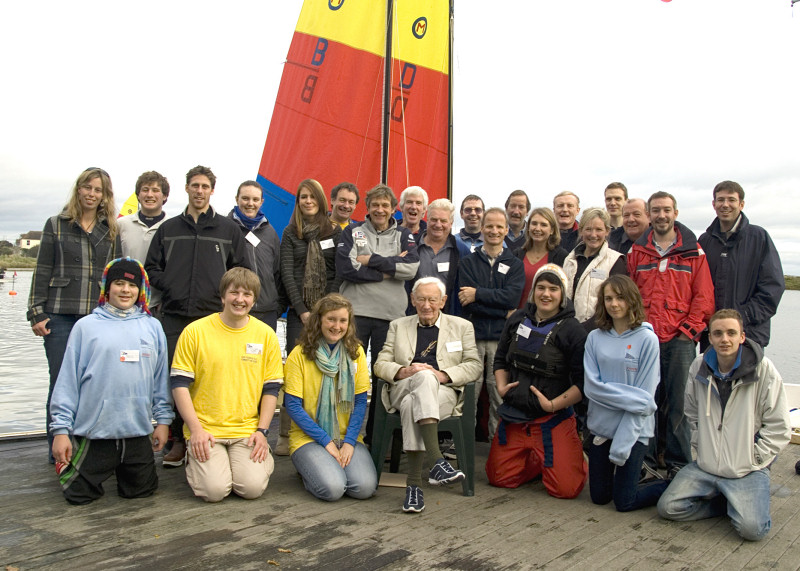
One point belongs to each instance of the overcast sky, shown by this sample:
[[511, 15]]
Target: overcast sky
[[548, 96]]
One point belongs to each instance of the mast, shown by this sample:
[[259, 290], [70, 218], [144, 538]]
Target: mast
[[387, 95], [450, 105]]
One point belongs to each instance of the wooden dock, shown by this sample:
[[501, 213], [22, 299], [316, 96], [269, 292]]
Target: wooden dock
[[289, 529]]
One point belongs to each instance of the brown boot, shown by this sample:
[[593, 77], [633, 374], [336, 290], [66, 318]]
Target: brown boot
[[175, 457]]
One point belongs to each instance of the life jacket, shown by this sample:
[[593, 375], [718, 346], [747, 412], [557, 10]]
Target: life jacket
[[538, 362]]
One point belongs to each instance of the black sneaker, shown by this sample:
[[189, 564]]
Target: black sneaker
[[414, 502], [649, 474], [443, 474], [450, 453]]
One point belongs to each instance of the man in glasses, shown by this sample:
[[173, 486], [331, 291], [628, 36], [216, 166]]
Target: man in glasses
[[472, 210]]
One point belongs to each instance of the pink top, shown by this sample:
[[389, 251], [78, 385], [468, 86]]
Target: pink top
[[530, 271]]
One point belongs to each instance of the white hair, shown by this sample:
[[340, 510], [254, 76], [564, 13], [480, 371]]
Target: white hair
[[442, 204], [414, 191], [429, 280]]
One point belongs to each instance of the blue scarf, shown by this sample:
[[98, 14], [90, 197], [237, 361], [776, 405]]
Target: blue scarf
[[332, 362], [247, 222]]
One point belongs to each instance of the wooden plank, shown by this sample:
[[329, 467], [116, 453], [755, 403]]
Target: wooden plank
[[497, 528]]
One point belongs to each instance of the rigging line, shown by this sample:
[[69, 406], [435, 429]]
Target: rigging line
[[402, 104], [365, 136]]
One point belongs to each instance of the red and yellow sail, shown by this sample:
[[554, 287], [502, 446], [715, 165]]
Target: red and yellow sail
[[328, 120]]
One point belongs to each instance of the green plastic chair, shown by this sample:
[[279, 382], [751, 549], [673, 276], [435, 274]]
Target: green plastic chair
[[387, 428]]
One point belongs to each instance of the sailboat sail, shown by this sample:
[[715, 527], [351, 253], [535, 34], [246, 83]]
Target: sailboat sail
[[342, 114]]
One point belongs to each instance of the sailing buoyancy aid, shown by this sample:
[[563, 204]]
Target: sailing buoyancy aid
[[536, 360]]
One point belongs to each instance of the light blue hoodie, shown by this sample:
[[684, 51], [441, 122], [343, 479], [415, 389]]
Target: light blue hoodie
[[621, 373], [100, 396]]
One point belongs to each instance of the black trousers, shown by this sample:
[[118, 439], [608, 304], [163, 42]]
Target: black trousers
[[372, 332], [95, 461]]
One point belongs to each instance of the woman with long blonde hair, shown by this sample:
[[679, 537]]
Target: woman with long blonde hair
[[76, 246]]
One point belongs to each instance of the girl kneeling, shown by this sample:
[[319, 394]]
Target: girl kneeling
[[622, 367], [539, 370], [326, 383]]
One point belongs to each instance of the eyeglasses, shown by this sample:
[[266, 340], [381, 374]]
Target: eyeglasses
[[476, 210]]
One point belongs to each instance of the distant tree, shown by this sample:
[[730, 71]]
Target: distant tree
[[31, 252], [6, 248]]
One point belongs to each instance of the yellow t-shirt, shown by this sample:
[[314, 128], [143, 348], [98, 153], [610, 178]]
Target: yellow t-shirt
[[304, 380], [230, 367]]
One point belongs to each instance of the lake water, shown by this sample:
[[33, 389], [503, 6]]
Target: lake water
[[23, 366]]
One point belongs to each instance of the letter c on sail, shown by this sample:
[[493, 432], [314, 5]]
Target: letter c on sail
[[335, 4], [419, 27]]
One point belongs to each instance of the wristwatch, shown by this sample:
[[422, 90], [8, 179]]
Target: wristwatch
[[264, 431]]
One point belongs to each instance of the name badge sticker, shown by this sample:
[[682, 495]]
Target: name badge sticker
[[253, 239], [443, 266], [524, 330], [453, 346], [129, 356], [598, 274], [325, 244], [662, 265], [254, 348], [502, 268]]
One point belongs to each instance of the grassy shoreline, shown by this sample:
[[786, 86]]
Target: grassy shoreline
[[17, 262]]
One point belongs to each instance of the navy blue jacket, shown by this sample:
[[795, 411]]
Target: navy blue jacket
[[747, 274], [498, 290]]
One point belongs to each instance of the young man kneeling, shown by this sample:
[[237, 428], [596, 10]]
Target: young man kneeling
[[225, 379], [737, 411]]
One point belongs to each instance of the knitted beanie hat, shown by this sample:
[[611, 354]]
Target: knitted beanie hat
[[561, 279], [130, 270]]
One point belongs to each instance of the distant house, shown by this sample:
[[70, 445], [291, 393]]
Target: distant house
[[29, 239]]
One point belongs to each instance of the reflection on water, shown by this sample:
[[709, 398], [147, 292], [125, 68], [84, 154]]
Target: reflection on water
[[23, 366], [782, 349]]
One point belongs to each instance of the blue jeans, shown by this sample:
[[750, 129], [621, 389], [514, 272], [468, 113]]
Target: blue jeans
[[676, 357], [55, 346], [608, 481], [696, 494], [327, 480]]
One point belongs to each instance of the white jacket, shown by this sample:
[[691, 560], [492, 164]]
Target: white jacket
[[755, 425], [587, 292]]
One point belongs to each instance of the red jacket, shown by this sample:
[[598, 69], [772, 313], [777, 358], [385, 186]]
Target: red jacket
[[677, 290]]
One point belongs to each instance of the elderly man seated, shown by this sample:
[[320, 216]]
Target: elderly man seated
[[427, 357]]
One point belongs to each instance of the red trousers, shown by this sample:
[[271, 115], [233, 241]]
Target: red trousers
[[534, 448]]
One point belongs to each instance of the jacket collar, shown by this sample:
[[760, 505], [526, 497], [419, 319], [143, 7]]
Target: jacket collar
[[750, 355]]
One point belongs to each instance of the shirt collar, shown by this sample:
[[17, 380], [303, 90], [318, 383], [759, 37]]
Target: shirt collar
[[436, 324]]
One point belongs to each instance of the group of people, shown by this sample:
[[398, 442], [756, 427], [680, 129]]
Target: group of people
[[583, 333]]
